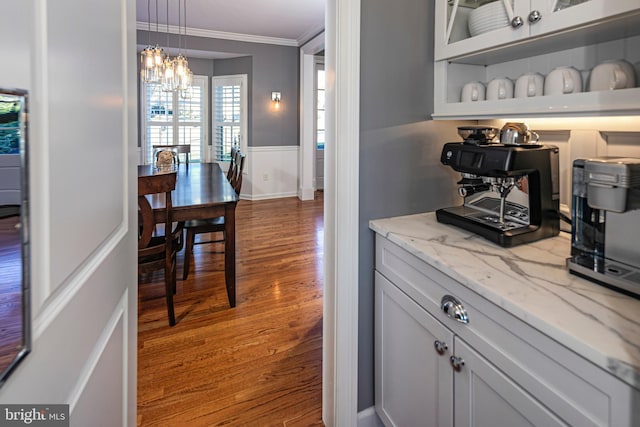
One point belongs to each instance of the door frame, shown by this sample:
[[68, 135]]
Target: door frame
[[341, 214], [308, 51]]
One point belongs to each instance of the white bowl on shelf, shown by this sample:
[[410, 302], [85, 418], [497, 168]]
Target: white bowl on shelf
[[488, 17]]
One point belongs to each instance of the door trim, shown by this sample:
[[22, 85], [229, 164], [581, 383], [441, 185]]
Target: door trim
[[342, 151]]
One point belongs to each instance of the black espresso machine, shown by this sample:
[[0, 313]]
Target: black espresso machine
[[510, 191]]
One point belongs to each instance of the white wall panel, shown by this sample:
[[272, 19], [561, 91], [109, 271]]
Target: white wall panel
[[273, 173], [86, 162]]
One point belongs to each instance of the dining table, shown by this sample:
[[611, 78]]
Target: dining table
[[203, 192]]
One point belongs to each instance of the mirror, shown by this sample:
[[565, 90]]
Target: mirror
[[15, 316]]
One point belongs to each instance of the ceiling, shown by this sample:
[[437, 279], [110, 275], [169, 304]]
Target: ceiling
[[288, 22]]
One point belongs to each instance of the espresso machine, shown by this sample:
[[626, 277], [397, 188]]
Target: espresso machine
[[605, 230], [510, 191]]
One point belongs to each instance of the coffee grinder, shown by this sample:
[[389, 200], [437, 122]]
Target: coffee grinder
[[605, 231], [510, 191]]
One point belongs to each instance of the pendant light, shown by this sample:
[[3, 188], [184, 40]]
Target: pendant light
[[176, 74], [152, 57]]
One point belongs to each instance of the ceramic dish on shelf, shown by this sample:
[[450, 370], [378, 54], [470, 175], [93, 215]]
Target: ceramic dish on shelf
[[489, 17]]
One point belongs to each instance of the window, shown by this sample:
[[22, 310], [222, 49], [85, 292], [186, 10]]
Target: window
[[171, 119], [229, 115], [320, 107]]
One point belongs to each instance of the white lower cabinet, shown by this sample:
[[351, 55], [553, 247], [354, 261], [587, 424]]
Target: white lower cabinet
[[484, 396], [414, 383], [432, 369]]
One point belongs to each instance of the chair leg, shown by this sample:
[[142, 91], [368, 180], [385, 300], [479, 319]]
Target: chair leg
[[188, 250], [170, 285]]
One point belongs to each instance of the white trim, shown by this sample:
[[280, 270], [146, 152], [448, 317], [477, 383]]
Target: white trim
[[340, 305], [173, 29], [119, 313], [39, 159], [313, 46], [76, 281], [268, 196], [272, 148], [369, 418], [306, 162]]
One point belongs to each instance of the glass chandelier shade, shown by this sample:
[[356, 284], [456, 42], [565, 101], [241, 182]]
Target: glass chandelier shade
[[169, 75], [183, 73], [151, 64]]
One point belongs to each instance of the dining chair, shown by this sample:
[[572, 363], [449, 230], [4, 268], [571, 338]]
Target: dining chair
[[232, 163], [213, 225], [158, 251]]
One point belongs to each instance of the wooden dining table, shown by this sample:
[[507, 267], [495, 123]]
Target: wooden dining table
[[203, 192]]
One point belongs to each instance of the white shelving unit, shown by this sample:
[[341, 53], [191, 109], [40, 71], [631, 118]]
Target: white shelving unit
[[581, 35]]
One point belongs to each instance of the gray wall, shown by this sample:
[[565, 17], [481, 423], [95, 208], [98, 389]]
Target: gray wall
[[400, 170], [273, 68]]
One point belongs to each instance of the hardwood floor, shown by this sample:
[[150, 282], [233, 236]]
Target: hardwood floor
[[258, 364], [10, 290]]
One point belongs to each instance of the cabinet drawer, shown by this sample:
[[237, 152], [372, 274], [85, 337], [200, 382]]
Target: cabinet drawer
[[574, 389]]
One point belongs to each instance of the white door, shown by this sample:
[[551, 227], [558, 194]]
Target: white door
[[77, 60]]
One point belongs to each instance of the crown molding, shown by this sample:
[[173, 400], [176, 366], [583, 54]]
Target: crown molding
[[173, 29], [310, 35]]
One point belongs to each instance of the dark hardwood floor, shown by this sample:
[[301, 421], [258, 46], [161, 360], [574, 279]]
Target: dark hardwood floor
[[258, 364]]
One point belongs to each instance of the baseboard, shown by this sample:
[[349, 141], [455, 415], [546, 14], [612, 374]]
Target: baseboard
[[268, 196], [306, 194], [369, 418]]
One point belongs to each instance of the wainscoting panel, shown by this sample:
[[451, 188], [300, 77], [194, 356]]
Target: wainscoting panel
[[273, 173]]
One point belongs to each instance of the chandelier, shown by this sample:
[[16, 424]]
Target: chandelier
[[158, 68]]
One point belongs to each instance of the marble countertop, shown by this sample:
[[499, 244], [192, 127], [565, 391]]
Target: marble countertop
[[532, 283]]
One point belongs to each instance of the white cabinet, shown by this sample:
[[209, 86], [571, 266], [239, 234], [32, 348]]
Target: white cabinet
[[414, 382], [433, 370], [581, 35], [485, 396]]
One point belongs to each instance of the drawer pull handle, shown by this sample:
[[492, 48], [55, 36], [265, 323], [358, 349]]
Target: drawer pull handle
[[456, 363], [454, 309], [441, 347]]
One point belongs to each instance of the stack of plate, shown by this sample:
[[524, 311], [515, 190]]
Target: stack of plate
[[488, 17]]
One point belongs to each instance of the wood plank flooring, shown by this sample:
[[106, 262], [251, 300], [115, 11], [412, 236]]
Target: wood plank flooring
[[258, 364], [10, 290]]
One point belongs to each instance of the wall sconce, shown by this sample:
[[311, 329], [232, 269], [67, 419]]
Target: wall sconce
[[275, 98]]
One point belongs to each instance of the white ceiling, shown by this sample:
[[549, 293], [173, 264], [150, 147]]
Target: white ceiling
[[290, 22]]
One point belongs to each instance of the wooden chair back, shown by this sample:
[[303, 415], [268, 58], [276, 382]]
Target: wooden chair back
[[236, 178], [232, 163], [150, 185], [158, 252]]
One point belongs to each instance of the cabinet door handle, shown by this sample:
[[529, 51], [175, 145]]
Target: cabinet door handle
[[441, 347], [456, 363], [535, 16], [517, 22], [454, 309]]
